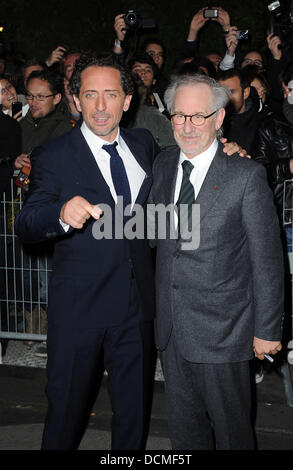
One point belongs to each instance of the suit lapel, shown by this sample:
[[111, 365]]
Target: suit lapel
[[87, 164], [170, 177], [213, 184], [143, 159]]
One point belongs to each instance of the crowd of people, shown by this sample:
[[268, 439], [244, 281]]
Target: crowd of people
[[257, 122]]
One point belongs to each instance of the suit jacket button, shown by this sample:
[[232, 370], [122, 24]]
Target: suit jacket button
[[50, 234], [175, 287]]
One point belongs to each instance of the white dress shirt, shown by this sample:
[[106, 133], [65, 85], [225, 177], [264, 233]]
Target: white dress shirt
[[201, 165], [135, 173]]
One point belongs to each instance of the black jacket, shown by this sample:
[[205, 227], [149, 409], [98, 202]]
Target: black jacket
[[36, 133], [273, 147], [241, 128], [10, 147]]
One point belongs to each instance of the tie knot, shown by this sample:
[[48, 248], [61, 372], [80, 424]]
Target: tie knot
[[187, 167], [111, 148]]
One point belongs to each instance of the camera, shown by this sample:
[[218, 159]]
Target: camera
[[275, 8], [22, 180], [242, 35], [16, 107], [279, 22], [130, 19], [134, 22], [211, 13]]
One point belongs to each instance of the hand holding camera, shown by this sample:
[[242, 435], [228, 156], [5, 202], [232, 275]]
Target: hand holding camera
[[120, 27], [231, 39], [22, 160], [16, 110], [56, 55], [221, 16], [23, 163], [274, 43], [197, 22]]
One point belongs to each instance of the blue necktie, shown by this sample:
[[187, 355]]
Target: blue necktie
[[186, 196], [119, 176]]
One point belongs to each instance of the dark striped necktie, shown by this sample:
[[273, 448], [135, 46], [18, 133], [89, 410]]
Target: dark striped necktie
[[186, 197], [118, 172]]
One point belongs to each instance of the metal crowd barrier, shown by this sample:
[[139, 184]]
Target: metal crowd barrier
[[24, 276], [25, 272]]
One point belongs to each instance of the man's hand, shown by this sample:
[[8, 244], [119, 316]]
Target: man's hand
[[223, 18], [77, 211], [55, 56], [197, 22], [22, 160], [231, 40], [120, 28], [273, 43], [18, 116], [261, 347], [233, 147]]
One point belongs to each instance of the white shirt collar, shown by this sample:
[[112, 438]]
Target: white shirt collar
[[94, 141], [202, 160]]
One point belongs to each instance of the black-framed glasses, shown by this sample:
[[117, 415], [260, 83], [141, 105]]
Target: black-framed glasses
[[196, 119], [31, 97]]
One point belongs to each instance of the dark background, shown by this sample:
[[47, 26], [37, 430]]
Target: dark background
[[33, 28]]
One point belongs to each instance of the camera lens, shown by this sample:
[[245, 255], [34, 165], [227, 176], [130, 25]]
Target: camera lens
[[131, 18]]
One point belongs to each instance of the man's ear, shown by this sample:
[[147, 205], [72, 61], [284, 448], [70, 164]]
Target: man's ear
[[246, 92], [220, 118], [57, 98], [127, 101], [77, 103]]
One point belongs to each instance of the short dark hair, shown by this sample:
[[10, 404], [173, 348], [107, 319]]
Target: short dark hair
[[153, 40], [34, 61], [100, 60], [144, 58], [252, 72], [263, 58], [231, 73], [54, 80], [68, 53]]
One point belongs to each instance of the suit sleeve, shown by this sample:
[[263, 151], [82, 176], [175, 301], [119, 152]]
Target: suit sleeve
[[39, 218], [266, 255]]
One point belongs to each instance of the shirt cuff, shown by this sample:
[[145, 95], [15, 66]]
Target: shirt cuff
[[65, 227]]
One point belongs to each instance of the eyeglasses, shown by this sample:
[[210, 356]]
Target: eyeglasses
[[196, 119], [5, 89], [30, 97]]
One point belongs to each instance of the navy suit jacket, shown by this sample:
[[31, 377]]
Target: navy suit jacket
[[90, 284]]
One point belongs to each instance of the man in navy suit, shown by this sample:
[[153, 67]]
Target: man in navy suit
[[101, 294]]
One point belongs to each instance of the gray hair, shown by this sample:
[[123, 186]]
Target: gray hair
[[219, 92]]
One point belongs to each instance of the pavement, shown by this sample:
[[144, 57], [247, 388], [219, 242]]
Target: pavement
[[23, 407]]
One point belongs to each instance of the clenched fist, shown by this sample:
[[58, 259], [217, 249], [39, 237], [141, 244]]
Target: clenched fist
[[77, 211]]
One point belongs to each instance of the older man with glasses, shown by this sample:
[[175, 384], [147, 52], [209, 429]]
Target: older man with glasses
[[219, 301]]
